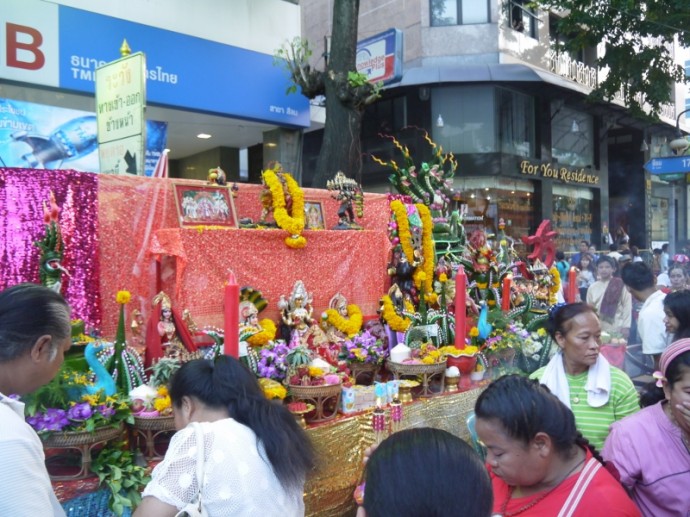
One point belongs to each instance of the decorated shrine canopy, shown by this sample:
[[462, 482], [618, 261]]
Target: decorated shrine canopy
[[116, 229]]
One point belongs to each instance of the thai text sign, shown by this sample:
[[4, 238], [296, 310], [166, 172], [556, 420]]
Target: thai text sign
[[380, 57], [553, 171], [121, 98]]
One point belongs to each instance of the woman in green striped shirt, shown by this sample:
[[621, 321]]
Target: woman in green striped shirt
[[597, 393]]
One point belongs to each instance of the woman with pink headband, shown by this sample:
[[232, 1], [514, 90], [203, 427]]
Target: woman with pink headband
[[651, 449]]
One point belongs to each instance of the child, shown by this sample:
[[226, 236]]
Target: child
[[586, 275]]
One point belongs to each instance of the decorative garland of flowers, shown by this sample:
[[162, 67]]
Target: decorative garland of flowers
[[428, 253], [403, 224], [555, 285], [262, 337], [349, 326], [292, 223], [396, 322]]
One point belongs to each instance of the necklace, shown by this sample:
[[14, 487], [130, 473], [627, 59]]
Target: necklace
[[537, 499]]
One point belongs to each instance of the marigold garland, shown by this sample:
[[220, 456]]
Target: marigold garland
[[123, 297], [428, 252], [292, 223], [396, 322], [350, 325], [264, 336], [555, 285], [400, 212]]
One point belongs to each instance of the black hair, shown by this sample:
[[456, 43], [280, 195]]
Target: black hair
[[609, 260], [225, 382], [560, 255], [524, 407], [27, 312], [613, 247], [678, 304], [560, 315], [638, 276], [651, 393], [429, 472]]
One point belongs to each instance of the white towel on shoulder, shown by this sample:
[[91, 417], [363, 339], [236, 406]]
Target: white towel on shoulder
[[598, 385]]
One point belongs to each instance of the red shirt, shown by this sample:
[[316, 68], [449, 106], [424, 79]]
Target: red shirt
[[603, 497]]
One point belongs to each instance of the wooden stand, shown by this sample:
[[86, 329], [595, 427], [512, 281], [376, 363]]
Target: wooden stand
[[149, 429]]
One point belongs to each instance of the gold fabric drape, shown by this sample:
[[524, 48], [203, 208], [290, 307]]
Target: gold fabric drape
[[340, 448]]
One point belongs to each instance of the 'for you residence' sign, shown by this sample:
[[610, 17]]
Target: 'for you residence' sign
[[565, 174]]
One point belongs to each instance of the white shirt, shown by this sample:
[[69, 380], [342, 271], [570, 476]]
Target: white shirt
[[25, 489], [238, 478], [651, 326]]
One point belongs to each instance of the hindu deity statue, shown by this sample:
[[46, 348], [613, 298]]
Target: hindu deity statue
[[166, 334], [252, 331], [340, 322], [349, 193], [296, 313]]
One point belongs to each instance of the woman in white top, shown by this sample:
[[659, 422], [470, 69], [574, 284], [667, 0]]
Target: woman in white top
[[256, 456]]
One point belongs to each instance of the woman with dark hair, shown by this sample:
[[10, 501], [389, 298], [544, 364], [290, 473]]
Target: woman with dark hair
[[610, 298], [651, 449], [539, 463], [677, 310], [425, 472], [586, 274], [582, 378], [256, 456], [677, 277]]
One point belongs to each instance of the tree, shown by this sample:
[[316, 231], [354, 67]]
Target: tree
[[347, 93], [638, 42]]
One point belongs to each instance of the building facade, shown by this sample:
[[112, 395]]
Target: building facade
[[481, 77]]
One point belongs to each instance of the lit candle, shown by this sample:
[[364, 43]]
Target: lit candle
[[232, 317], [572, 285], [505, 295], [460, 307]]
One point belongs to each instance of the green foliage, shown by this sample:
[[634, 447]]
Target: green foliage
[[638, 40], [294, 57], [116, 469], [162, 371]]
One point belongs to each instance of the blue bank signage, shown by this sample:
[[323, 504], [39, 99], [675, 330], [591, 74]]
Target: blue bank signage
[[668, 165], [61, 47]]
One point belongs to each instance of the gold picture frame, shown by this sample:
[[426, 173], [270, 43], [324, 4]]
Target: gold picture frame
[[314, 216], [204, 205]]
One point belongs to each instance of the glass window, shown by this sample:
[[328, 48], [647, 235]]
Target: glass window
[[458, 12], [572, 137], [522, 17], [572, 215], [487, 200], [515, 122], [463, 119]]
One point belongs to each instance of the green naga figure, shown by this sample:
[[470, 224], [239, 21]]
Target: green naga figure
[[50, 264]]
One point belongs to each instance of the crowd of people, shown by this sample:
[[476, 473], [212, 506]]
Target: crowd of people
[[542, 435]]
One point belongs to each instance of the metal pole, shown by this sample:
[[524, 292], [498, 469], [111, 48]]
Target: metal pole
[[672, 221]]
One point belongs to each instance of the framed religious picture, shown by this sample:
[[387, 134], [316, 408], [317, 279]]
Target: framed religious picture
[[314, 218], [204, 205]]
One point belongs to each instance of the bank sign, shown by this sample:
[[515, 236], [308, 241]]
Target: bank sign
[[380, 57], [61, 47]]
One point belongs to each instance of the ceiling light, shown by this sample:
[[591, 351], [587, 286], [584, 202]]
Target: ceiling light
[[203, 136], [271, 144], [439, 121], [574, 128]]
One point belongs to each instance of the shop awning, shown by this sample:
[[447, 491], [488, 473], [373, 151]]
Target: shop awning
[[495, 72]]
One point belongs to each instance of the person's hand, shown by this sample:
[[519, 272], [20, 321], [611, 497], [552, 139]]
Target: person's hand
[[684, 409], [625, 332]]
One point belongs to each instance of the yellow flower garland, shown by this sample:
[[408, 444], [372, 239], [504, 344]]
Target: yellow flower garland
[[555, 285], [266, 335], [428, 253], [395, 322], [350, 325], [400, 212], [292, 223]]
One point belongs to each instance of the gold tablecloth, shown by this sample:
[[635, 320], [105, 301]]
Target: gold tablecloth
[[340, 448]]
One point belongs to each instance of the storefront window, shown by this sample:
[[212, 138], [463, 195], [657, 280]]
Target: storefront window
[[659, 218], [572, 137], [485, 201], [572, 216], [458, 12]]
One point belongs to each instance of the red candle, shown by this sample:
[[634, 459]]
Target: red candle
[[460, 308], [505, 295], [232, 316], [572, 285]]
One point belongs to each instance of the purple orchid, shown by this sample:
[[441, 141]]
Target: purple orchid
[[80, 412]]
